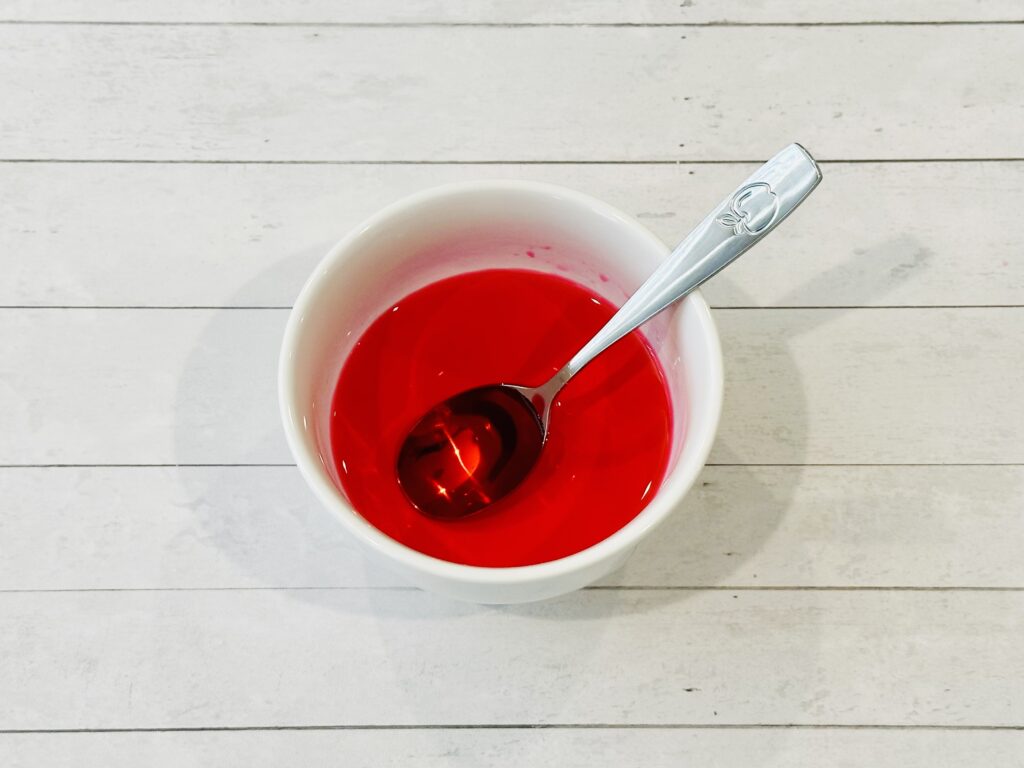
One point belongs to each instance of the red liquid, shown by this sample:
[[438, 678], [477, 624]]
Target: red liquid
[[611, 426]]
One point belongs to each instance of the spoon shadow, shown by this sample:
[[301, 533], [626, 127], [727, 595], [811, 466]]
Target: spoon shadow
[[737, 503]]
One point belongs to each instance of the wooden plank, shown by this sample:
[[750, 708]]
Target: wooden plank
[[255, 231], [874, 386], [130, 387], [257, 527], [294, 93], [510, 11], [358, 657], [476, 748]]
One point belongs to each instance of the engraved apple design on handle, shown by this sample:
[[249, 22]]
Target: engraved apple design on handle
[[752, 209]]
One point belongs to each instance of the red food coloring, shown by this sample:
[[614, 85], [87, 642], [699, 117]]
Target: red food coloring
[[611, 429]]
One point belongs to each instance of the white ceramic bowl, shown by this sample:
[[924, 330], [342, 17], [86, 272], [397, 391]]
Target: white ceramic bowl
[[478, 226]]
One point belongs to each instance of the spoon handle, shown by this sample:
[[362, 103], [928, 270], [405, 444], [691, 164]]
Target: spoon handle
[[748, 214]]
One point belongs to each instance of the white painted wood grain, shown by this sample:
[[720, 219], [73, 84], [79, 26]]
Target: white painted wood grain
[[872, 386], [576, 748], [260, 658], [803, 386], [160, 386], [254, 232], [258, 527], [511, 11], [294, 93]]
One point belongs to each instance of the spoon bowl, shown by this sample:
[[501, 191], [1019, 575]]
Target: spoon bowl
[[470, 450]]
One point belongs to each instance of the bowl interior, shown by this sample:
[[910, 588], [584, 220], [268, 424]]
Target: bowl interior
[[484, 226]]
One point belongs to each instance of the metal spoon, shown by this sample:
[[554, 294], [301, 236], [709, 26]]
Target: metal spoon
[[474, 448]]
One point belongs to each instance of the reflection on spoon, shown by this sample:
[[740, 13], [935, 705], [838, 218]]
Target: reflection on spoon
[[469, 451]]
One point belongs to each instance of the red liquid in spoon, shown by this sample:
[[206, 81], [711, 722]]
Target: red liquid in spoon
[[611, 427]]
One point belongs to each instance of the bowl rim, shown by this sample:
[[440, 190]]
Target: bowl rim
[[674, 485]]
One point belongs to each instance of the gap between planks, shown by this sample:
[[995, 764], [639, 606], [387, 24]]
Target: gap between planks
[[510, 25], [399, 161], [592, 588], [532, 727]]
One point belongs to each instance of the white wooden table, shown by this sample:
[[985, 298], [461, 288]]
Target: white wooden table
[[845, 586]]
